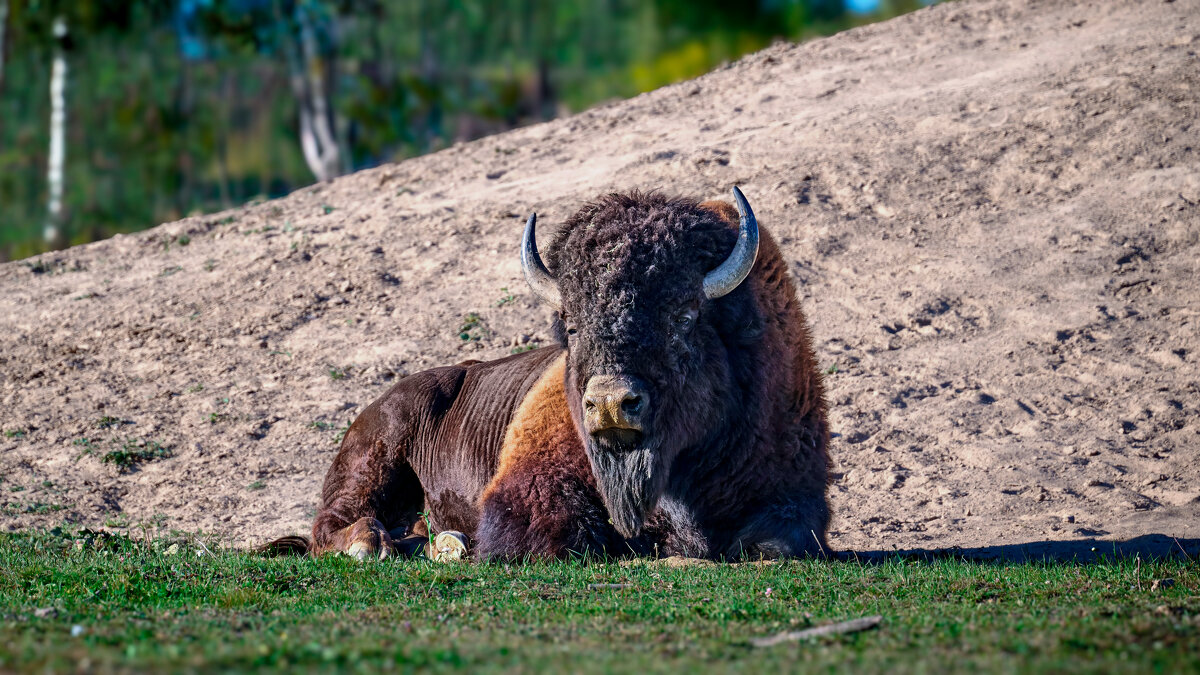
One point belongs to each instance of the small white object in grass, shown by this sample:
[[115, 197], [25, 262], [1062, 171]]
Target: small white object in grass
[[76, 630], [449, 546]]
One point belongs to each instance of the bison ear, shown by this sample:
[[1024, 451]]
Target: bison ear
[[721, 209]]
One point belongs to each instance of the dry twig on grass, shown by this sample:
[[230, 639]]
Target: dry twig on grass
[[608, 587], [1182, 549], [852, 626], [205, 548]]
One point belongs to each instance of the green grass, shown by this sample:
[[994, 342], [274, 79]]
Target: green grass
[[527, 347], [506, 298], [472, 328], [340, 432], [134, 606], [16, 508], [131, 454]]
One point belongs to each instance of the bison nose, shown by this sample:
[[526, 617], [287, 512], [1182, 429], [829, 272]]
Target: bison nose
[[614, 402]]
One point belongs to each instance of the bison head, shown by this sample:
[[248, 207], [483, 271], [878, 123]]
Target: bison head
[[650, 312]]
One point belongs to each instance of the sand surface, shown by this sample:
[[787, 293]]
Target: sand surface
[[991, 208]]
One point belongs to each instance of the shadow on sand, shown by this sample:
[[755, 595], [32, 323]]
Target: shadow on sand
[[1148, 546]]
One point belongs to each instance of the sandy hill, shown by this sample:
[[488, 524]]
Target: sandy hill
[[990, 207]]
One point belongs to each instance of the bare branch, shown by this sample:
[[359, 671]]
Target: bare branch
[[852, 626]]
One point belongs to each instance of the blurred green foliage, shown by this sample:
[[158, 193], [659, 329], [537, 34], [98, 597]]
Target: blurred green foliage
[[180, 106]]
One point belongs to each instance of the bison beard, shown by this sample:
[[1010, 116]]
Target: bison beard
[[630, 482]]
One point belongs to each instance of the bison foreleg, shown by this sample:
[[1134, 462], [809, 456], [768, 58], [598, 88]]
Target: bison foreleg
[[546, 506], [792, 529], [370, 488], [368, 539], [365, 539]]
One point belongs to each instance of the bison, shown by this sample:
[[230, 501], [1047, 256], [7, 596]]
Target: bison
[[680, 412]]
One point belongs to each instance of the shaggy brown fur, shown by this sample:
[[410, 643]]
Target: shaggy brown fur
[[734, 461], [538, 423], [431, 444], [543, 499]]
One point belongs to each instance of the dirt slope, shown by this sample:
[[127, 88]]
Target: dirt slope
[[992, 213]]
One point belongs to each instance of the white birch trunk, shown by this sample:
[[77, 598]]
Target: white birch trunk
[[53, 234], [318, 140], [318, 90]]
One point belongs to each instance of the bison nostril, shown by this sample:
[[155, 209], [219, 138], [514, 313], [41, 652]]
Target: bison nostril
[[632, 405], [615, 402]]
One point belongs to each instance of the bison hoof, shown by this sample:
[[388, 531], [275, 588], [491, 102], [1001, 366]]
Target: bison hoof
[[368, 540], [363, 551], [448, 546]]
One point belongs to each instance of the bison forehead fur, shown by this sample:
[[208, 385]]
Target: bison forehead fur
[[626, 265], [636, 248]]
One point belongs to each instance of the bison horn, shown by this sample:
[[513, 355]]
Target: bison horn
[[536, 275], [737, 266]]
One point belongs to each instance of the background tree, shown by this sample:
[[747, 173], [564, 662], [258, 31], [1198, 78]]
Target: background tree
[[53, 232], [3, 44], [176, 106]]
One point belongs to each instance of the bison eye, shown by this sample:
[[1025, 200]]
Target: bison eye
[[571, 330], [684, 321]]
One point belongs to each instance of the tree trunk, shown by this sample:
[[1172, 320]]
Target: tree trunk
[[185, 160], [312, 78], [221, 138], [3, 45], [431, 75], [54, 232], [3, 53]]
